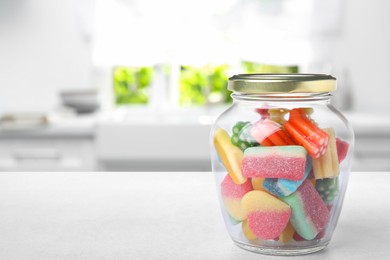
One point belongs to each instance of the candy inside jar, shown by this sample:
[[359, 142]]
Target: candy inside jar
[[282, 174]]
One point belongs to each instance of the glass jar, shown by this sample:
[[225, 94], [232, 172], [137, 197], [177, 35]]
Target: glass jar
[[281, 155]]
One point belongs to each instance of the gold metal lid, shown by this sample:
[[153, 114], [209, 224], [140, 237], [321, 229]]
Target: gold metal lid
[[282, 83]]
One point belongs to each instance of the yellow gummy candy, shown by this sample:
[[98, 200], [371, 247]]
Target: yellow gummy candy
[[327, 166], [257, 200], [277, 114], [231, 156], [287, 234], [257, 183], [247, 231], [233, 207]]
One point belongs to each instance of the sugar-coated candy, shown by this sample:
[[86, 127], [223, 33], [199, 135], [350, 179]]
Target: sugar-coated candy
[[263, 111], [297, 237], [312, 179], [320, 235], [327, 165], [241, 136], [287, 233], [268, 133], [278, 114], [304, 132], [257, 183], [232, 194], [267, 216], [308, 110], [342, 149], [309, 214], [287, 162], [328, 189], [284, 187], [247, 231], [231, 156]]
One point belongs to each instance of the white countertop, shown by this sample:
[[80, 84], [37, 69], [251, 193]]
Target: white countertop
[[159, 216]]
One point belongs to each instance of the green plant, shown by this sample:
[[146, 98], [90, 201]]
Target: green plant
[[132, 84], [253, 67], [203, 85]]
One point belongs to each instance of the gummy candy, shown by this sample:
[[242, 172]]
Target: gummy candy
[[328, 189], [267, 215], [242, 137], [231, 156]]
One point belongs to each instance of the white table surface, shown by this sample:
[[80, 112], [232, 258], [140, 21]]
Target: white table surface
[[160, 216]]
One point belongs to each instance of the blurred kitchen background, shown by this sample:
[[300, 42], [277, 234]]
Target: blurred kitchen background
[[134, 85]]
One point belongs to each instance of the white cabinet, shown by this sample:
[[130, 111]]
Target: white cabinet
[[372, 152], [63, 145], [372, 142], [153, 146], [47, 154]]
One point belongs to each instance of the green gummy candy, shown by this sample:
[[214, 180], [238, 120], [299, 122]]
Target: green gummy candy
[[238, 126], [245, 134], [241, 136], [328, 189]]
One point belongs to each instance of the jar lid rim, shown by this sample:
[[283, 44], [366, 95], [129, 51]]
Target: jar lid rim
[[282, 83]]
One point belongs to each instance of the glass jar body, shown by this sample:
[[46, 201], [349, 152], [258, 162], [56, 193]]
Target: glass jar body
[[281, 165]]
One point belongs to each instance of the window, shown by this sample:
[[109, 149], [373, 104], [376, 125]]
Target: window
[[203, 85], [230, 36], [132, 85]]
